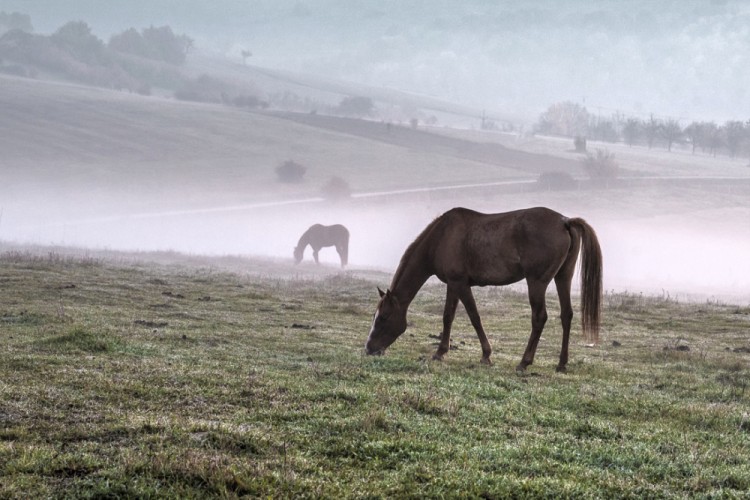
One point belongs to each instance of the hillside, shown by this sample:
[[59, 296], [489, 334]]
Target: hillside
[[105, 169], [56, 132]]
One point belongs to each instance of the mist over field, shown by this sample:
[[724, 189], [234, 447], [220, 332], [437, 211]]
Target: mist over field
[[104, 169]]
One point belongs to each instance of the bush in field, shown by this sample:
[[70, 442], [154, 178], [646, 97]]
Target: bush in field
[[580, 144], [248, 101], [290, 172], [556, 181], [336, 189], [356, 106], [601, 167], [202, 89]]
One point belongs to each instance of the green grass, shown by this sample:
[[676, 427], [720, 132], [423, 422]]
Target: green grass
[[176, 380]]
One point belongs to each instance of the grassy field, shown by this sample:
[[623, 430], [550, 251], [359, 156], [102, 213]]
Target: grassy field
[[124, 376]]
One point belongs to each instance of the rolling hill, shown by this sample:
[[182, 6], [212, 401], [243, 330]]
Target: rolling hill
[[105, 169]]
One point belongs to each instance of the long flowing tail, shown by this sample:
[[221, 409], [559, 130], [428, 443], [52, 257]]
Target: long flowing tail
[[591, 279]]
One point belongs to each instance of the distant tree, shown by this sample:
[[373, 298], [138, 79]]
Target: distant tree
[[356, 106], [603, 130], [712, 137], [290, 172], [129, 42], [166, 45], [564, 118], [695, 134], [15, 21], [631, 131], [734, 134], [671, 132], [651, 130], [157, 43], [414, 123], [75, 38]]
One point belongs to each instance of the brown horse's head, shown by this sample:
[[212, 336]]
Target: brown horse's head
[[298, 252], [388, 323]]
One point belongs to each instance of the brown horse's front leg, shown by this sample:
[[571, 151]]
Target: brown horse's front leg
[[449, 312], [467, 298]]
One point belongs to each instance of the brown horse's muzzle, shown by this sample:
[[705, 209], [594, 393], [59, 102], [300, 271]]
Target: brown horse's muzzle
[[374, 352]]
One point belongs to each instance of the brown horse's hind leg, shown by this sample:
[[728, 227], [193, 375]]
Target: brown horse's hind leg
[[562, 282], [467, 298], [563, 279], [449, 312], [538, 319]]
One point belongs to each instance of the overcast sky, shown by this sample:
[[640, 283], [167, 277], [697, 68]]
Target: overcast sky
[[685, 59]]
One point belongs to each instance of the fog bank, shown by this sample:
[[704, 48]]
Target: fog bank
[[654, 255]]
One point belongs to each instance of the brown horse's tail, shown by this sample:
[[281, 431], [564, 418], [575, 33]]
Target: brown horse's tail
[[591, 279]]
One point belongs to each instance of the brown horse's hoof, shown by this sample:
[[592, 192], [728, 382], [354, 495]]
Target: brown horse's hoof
[[437, 357], [486, 361], [561, 369], [520, 368]]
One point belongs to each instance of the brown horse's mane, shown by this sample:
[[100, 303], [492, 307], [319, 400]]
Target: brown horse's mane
[[412, 249]]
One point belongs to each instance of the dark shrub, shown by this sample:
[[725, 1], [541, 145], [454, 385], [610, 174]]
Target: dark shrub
[[602, 167], [201, 89], [336, 189], [290, 172], [556, 181], [356, 106], [580, 144]]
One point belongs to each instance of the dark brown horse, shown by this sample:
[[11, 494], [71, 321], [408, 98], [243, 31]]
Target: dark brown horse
[[319, 236], [464, 248]]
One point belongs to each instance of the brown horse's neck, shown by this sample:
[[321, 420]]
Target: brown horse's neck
[[304, 240], [413, 271]]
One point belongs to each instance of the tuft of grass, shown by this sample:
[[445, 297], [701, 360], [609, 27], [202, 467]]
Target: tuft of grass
[[79, 339]]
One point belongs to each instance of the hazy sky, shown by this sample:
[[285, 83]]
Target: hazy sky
[[687, 59]]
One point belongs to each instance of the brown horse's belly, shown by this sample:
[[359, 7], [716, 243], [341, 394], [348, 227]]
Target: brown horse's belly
[[496, 277]]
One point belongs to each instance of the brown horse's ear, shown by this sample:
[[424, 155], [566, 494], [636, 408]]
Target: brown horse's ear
[[381, 292]]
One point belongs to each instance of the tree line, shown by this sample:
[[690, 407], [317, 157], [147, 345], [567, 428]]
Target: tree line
[[570, 119], [134, 60]]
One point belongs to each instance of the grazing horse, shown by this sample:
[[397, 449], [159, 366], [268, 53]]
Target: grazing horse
[[464, 248], [319, 236]]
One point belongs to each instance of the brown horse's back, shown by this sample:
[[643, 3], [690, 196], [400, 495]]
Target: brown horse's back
[[499, 249], [320, 236]]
